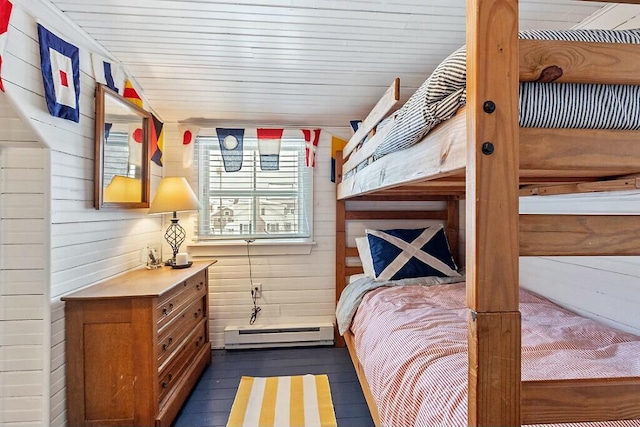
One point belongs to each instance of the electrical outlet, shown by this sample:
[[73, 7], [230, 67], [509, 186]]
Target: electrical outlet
[[257, 289]]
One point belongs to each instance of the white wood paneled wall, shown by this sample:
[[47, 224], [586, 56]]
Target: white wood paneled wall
[[24, 267], [296, 286], [84, 245]]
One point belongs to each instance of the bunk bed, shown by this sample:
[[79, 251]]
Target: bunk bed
[[481, 154]]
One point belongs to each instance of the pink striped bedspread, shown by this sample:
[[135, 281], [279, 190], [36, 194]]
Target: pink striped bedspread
[[412, 343]]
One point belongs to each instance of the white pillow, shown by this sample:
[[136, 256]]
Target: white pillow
[[355, 277], [365, 256]]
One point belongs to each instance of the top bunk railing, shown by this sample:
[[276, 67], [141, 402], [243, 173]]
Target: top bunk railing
[[540, 61], [386, 103]]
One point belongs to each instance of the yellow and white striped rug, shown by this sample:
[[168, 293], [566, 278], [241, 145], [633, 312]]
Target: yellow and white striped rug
[[299, 401]]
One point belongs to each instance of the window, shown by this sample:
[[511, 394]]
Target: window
[[252, 203], [116, 157]]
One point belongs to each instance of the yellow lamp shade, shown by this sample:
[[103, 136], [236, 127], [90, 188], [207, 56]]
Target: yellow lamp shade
[[173, 195]]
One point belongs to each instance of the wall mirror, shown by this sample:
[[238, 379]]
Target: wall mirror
[[122, 152]]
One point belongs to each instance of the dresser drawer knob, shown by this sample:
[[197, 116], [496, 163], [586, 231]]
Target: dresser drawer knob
[[167, 344], [199, 286], [197, 313], [166, 311], [165, 384], [199, 340]]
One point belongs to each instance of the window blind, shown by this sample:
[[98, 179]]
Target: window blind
[[253, 203]]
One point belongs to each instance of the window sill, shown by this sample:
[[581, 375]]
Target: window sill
[[258, 248]]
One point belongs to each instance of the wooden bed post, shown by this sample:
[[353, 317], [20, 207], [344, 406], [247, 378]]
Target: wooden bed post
[[341, 245], [492, 212], [453, 226]]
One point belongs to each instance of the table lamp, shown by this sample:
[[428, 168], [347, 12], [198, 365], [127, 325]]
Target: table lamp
[[173, 195]]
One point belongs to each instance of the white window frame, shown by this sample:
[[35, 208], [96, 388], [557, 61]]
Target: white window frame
[[206, 143]]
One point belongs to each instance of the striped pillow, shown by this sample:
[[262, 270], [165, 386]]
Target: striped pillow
[[548, 105]]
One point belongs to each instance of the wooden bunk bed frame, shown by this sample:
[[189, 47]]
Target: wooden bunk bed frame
[[483, 155]]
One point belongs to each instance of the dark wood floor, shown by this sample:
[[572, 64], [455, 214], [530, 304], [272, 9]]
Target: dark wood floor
[[210, 402]]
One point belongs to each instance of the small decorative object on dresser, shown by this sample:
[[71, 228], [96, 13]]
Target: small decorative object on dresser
[[136, 345], [151, 258]]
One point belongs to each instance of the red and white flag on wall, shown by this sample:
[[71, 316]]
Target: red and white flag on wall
[[269, 141], [188, 134], [311, 137], [5, 14], [135, 145]]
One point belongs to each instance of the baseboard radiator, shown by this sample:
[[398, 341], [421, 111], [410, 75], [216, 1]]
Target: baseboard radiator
[[289, 335]]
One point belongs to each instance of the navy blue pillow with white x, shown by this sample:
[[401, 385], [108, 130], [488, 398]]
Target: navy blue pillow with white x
[[400, 254]]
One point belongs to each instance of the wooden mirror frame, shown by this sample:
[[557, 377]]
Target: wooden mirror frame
[[102, 93]]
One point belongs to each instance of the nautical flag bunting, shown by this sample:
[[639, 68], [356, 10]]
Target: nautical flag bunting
[[188, 135], [355, 124], [337, 144], [131, 93], [157, 140], [231, 147], [104, 72], [311, 146], [269, 141], [60, 64], [5, 14]]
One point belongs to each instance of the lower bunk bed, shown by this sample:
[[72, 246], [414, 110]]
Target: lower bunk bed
[[408, 337], [410, 345]]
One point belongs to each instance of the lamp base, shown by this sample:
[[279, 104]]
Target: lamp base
[[169, 263]]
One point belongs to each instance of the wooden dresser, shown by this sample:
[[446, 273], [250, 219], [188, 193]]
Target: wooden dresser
[[136, 345]]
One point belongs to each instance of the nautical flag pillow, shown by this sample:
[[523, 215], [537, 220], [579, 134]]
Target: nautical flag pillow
[[400, 254], [60, 64]]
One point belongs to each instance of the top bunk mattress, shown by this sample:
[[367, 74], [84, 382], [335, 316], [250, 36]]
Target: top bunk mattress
[[541, 105]]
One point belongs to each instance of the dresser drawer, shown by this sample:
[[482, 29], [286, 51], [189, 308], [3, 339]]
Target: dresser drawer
[[170, 374], [172, 302], [180, 326]]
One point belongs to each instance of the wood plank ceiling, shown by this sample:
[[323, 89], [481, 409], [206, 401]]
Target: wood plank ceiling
[[285, 62]]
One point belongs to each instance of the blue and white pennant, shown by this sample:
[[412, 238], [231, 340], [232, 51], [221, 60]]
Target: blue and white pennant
[[107, 73]]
